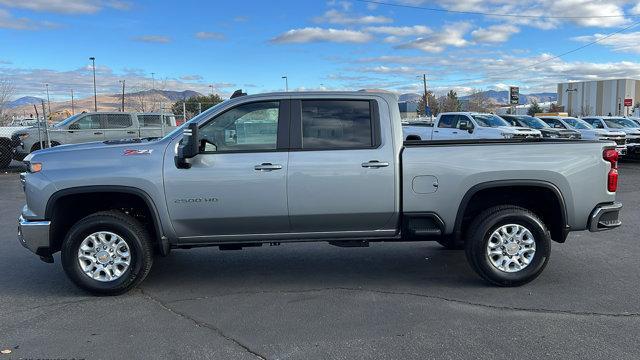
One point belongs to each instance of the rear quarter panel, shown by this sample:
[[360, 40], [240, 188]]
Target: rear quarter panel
[[576, 169]]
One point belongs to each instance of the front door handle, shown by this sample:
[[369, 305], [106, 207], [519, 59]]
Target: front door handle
[[267, 167], [131, 132], [374, 164], [97, 133]]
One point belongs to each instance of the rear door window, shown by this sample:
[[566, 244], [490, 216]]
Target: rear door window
[[118, 121], [336, 124], [149, 121]]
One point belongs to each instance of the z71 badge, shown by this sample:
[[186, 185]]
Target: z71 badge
[[131, 152]]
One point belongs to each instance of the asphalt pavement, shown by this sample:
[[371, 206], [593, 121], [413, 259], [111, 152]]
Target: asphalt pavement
[[315, 301]]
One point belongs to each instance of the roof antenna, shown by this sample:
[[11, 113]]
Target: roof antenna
[[238, 93]]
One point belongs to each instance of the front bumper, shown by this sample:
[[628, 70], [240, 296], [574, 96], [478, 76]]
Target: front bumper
[[605, 217], [34, 235]]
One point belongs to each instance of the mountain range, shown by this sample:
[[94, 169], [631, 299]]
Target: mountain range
[[496, 97]]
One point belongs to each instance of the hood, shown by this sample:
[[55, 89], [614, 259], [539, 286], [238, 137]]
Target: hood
[[7, 131], [630, 131], [114, 147], [517, 130]]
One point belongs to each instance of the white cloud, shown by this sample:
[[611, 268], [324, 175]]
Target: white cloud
[[66, 6], [450, 35], [207, 35], [160, 39], [415, 30], [336, 17], [316, 34], [494, 33], [8, 21], [623, 42]]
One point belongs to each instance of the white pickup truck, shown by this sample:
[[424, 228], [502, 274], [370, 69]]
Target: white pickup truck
[[467, 125]]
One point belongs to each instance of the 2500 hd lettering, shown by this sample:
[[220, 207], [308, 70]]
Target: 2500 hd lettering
[[290, 167]]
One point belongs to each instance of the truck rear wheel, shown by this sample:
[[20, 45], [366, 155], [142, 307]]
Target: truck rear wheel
[[107, 253], [508, 245]]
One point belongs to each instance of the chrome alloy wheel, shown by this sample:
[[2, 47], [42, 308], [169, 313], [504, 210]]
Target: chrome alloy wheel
[[104, 256], [511, 248]]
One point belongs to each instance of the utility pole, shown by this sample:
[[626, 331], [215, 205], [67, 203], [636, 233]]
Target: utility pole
[[211, 87], [73, 110], [48, 101], [95, 92], [426, 98], [153, 80], [286, 83], [122, 82]]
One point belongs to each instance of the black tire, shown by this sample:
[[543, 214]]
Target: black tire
[[479, 235], [125, 226], [5, 156], [450, 244]]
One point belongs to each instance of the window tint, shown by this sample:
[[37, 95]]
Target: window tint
[[595, 123], [149, 121], [252, 126], [336, 124], [554, 123], [448, 121], [86, 122], [118, 121]]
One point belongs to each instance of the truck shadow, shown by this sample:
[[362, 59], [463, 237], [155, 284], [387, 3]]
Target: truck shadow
[[314, 266]]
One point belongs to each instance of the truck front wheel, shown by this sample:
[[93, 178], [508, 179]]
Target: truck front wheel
[[508, 245], [107, 253]]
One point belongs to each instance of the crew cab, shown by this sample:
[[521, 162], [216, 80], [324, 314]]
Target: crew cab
[[95, 126], [467, 125], [613, 123], [546, 130], [310, 166], [587, 131]]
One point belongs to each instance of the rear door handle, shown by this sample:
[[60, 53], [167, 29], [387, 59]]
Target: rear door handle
[[267, 167], [131, 132], [97, 133], [374, 164]]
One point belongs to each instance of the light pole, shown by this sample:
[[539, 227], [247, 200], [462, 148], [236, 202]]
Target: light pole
[[95, 92], [153, 80], [425, 97], [73, 110], [48, 101], [211, 87], [122, 82], [286, 83]]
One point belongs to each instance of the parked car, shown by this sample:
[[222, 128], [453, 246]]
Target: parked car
[[546, 130], [25, 122], [467, 125], [318, 166], [94, 126], [613, 123], [587, 131]]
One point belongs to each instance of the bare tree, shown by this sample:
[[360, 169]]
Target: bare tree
[[478, 101], [7, 90]]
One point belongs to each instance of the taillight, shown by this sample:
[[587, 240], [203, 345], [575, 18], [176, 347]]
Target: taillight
[[611, 155], [612, 180]]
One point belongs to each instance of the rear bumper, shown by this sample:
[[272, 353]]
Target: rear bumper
[[34, 235], [605, 217]]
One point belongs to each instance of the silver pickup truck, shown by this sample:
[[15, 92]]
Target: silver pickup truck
[[291, 167]]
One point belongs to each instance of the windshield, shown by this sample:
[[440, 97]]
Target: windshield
[[533, 122], [620, 123], [489, 120], [67, 121], [203, 115], [578, 123]]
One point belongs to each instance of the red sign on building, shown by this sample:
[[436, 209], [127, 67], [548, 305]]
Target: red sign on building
[[628, 102]]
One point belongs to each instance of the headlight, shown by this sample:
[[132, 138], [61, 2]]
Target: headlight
[[507, 135], [35, 167]]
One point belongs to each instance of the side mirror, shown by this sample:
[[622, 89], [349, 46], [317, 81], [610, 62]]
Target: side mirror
[[189, 146], [465, 125]]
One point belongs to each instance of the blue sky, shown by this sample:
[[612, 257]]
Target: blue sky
[[317, 44]]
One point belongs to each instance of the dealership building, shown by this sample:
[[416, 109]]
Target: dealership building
[[603, 97]]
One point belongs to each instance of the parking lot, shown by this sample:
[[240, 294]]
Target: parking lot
[[315, 301]]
